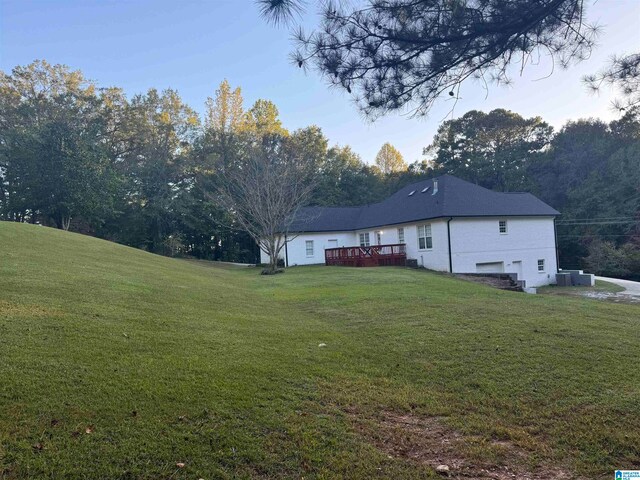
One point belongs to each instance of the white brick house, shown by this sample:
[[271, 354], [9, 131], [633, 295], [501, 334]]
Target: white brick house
[[447, 224]]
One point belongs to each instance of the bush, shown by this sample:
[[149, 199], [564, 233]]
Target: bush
[[605, 259]]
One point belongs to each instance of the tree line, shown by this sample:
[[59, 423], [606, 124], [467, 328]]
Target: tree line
[[150, 172], [146, 171]]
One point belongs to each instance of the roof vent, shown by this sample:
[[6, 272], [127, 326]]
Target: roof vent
[[425, 189], [435, 187], [412, 192]]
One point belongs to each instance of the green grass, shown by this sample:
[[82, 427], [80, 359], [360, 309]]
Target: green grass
[[167, 361]]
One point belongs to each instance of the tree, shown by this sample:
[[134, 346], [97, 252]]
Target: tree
[[389, 159], [54, 160], [623, 72], [339, 176], [395, 54], [491, 149], [262, 118], [578, 149], [160, 132], [265, 186], [604, 207], [606, 259], [224, 118], [224, 112]]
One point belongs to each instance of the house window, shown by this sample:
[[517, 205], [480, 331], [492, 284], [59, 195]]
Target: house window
[[309, 245], [364, 239], [424, 237], [541, 265], [503, 226], [401, 235], [378, 238]]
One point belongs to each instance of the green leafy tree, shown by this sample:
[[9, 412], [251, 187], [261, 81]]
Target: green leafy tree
[[578, 149], [160, 133], [263, 119], [212, 231], [604, 258], [54, 160], [491, 149], [605, 207]]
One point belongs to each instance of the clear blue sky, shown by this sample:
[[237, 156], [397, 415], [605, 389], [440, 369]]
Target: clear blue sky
[[192, 46]]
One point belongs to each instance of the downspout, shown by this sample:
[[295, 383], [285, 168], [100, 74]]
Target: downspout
[[286, 252], [449, 241], [555, 237]]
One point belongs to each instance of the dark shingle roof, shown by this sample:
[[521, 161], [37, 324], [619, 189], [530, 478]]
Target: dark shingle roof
[[455, 198]]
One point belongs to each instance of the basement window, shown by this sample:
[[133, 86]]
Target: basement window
[[364, 239], [425, 241], [502, 225], [541, 265], [309, 248]]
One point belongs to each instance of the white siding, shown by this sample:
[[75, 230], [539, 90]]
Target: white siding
[[297, 251], [475, 242], [528, 239]]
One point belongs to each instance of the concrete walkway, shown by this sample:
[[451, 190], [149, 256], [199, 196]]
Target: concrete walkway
[[631, 288]]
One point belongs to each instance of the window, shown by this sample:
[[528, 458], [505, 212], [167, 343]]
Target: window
[[309, 245], [364, 239], [378, 238], [424, 237], [541, 265], [401, 235], [503, 226]]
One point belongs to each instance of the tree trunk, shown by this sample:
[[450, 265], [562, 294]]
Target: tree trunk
[[273, 263], [64, 222], [273, 252]]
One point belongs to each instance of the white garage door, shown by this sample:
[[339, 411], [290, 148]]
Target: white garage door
[[491, 267]]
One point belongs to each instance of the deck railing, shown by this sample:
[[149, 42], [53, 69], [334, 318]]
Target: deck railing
[[371, 256]]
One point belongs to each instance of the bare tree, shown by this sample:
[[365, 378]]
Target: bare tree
[[405, 54], [265, 188]]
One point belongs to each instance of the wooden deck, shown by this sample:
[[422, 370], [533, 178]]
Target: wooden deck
[[371, 256]]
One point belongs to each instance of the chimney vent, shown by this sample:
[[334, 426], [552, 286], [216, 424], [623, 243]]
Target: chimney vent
[[435, 187]]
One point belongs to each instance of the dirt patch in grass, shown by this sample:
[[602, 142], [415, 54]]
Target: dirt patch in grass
[[430, 441], [10, 309], [495, 282]]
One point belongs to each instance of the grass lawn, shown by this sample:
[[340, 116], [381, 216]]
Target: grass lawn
[[115, 363]]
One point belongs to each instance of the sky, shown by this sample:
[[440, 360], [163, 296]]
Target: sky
[[191, 46]]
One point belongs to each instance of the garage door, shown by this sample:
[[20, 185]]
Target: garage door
[[490, 267]]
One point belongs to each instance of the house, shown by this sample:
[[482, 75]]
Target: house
[[444, 224]]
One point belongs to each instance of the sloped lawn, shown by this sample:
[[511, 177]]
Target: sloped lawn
[[115, 363]]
